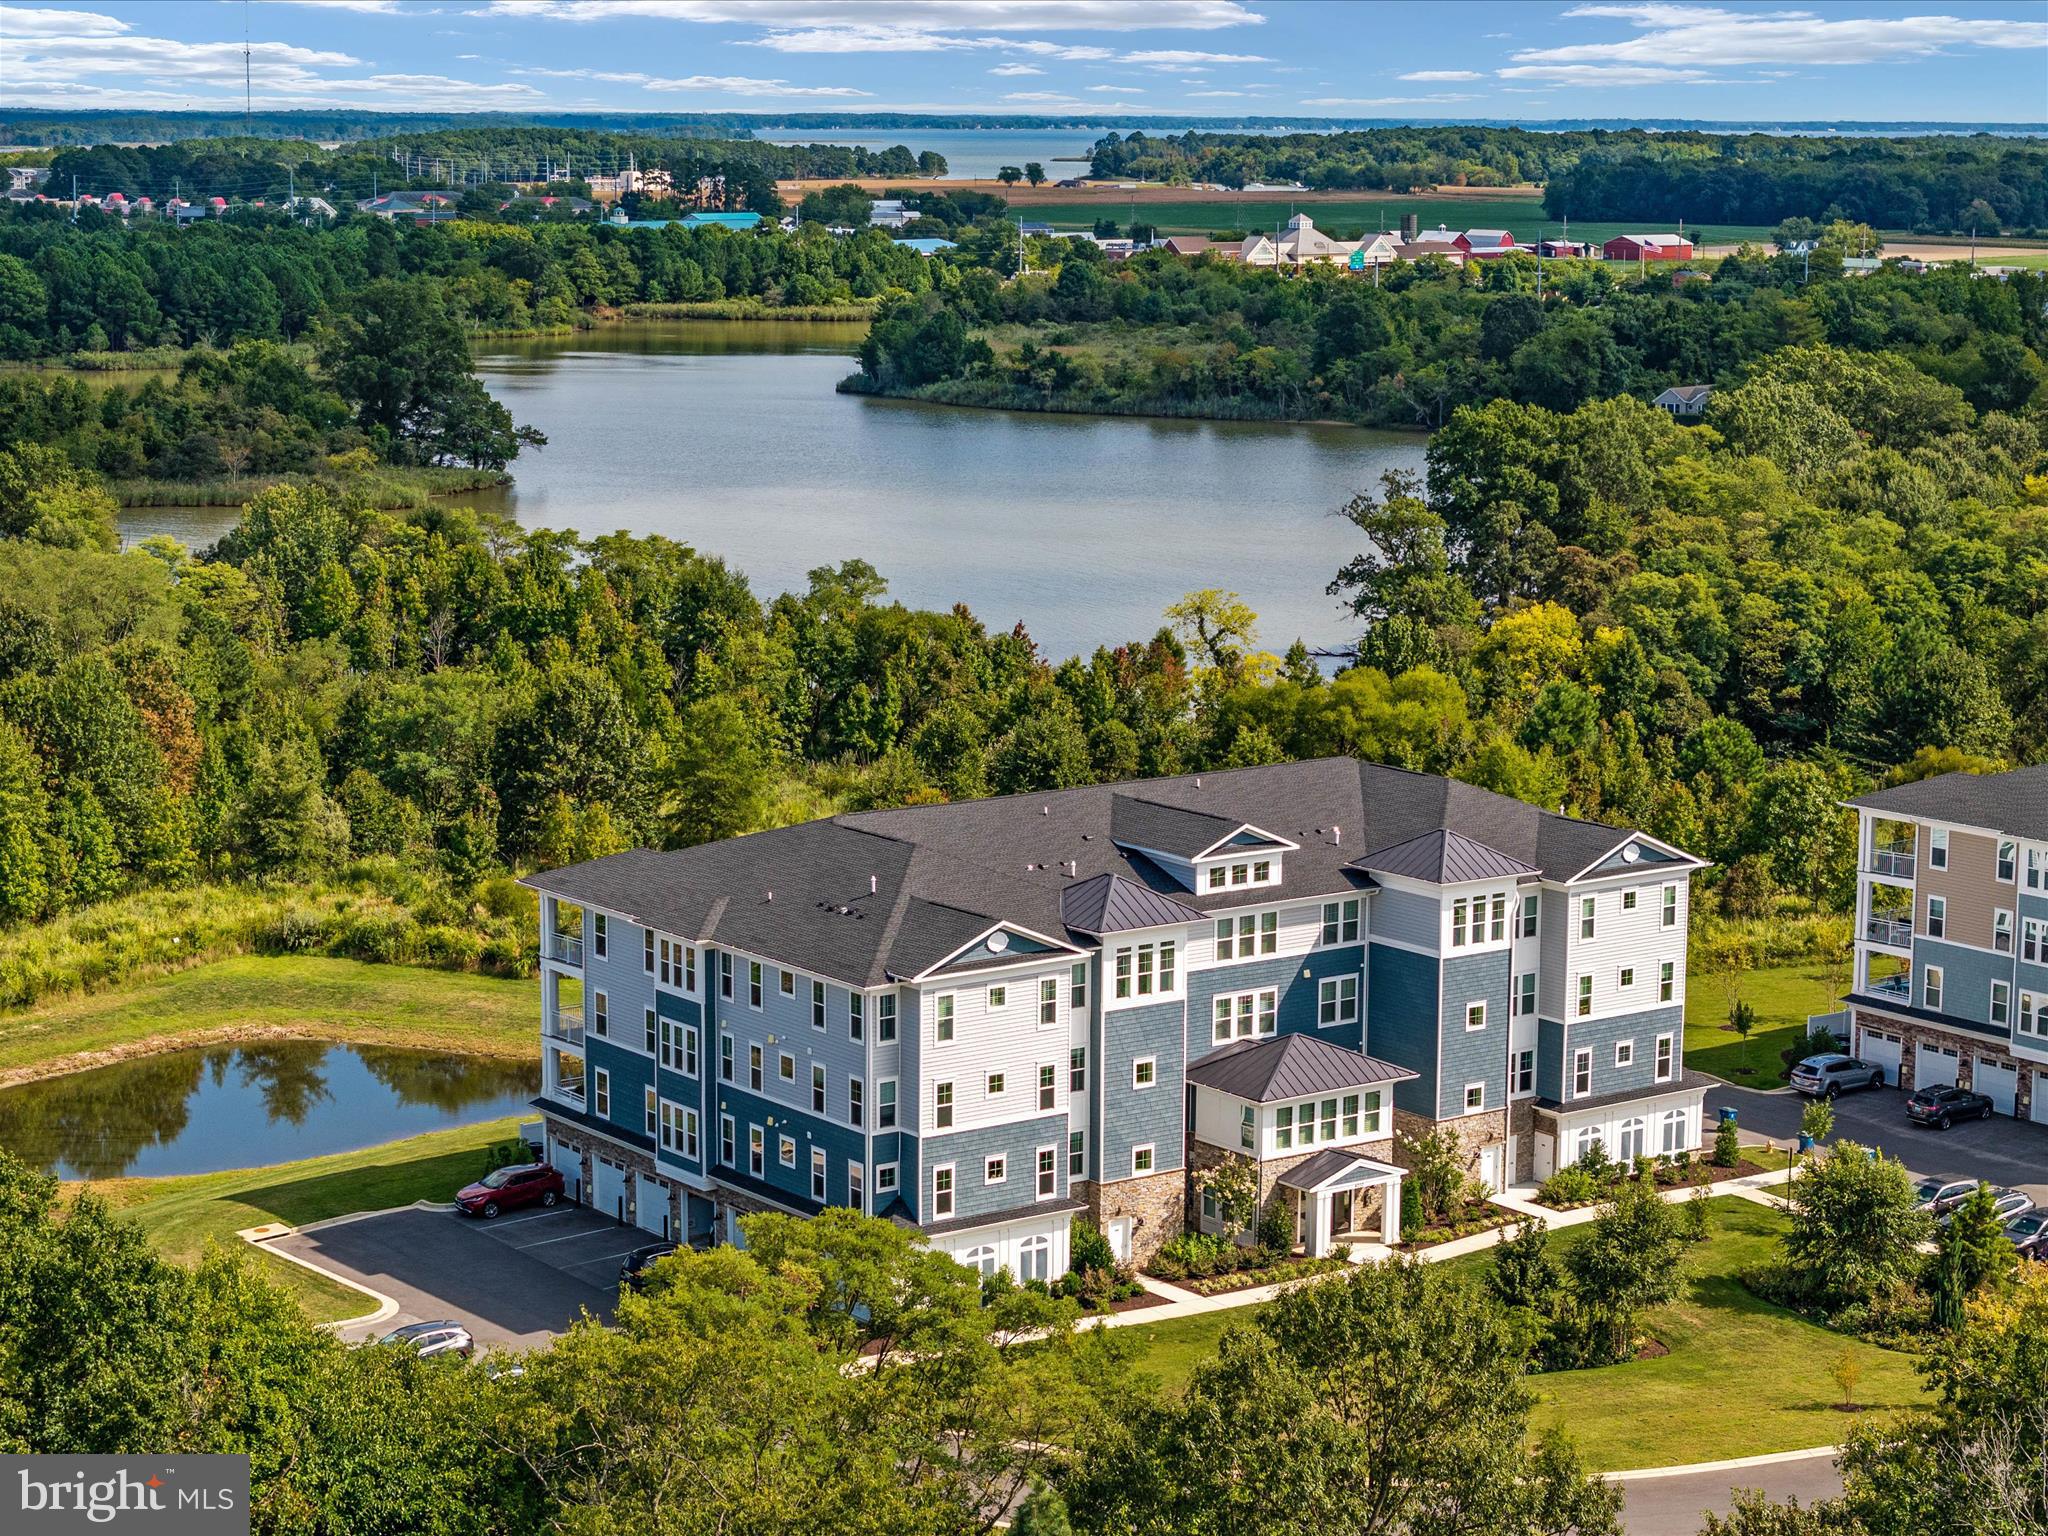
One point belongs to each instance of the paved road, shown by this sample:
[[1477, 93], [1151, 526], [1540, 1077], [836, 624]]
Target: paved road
[[1676, 1506], [514, 1282], [2001, 1150]]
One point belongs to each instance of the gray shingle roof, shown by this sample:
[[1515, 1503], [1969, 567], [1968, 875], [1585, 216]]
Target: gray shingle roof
[[1445, 857], [993, 1218], [2015, 802], [1291, 1066], [863, 897], [1685, 1083], [1111, 903], [1314, 1172]]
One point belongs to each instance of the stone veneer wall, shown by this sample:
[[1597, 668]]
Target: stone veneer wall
[[1202, 1157], [1522, 1126], [1156, 1203], [1968, 1047], [636, 1162], [1486, 1129]]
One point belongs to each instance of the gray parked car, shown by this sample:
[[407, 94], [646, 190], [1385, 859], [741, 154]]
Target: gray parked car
[[2005, 1204], [1825, 1076], [1936, 1195]]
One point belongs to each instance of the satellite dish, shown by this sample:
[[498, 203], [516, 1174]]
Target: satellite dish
[[1630, 854], [998, 942]]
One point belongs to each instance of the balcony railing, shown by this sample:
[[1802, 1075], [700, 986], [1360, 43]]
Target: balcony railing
[[1899, 986], [565, 947], [1892, 859], [571, 1089], [566, 1025], [1896, 932]]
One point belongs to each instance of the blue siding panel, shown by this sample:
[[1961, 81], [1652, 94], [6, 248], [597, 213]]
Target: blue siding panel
[[1156, 1114], [1474, 1055], [1017, 1142], [1404, 1029]]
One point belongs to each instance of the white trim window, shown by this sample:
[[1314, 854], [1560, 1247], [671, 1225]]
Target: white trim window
[[728, 1135], [1461, 923], [818, 1172], [2033, 1019], [1582, 1072], [2008, 860], [1251, 872], [1077, 987], [1937, 848], [786, 983], [785, 1150], [856, 1102], [1147, 970], [818, 1088], [725, 974], [755, 1076], [885, 1104], [1624, 1053], [1626, 977], [1669, 917], [1667, 980], [1340, 922], [1588, 917], [1937, 917], [942, 1191], [754, 985], [998, 997], [1048, 1085], [1048, 1159], [1142, 1159], [1247, 934], [817, 1004], [650, 1104], [856, 1016], [1077, 1154], [1525, 995], [1144, 1072], [995, 1169], [785, 1067], [598, 935], [2001, 931], [885, 1017], [600, 1014], [995, 1084], [1497, 925], [1336, 1001], [1522, 1078], [1077, 1069], [1930, 988], [601, 1102], [942, 1106], [1531, 913], [1667, 1059], [1475, 1097], [885, 1178], [942, 1019], [647, 950], [2001, 1002], [1242, 1015], [757, 1151], [1628, 901], [1585, 999], [1475, 1016], [1048, 1002]]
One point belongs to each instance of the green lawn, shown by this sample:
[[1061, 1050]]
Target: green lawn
[[308, 996], [182, 1215], [1743, 1377], [1782, 995]]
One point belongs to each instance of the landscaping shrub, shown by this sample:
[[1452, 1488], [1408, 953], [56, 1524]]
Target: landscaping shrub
[[1727, 1145], [1089, 1248], [1569, 1186]]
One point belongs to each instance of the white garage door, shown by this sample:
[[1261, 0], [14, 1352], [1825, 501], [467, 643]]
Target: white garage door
[[2039, 1112], [568, 1161], [1933, 1066], [608, 1196], [1999, 1082], [1880, 1050], [650, 1206]]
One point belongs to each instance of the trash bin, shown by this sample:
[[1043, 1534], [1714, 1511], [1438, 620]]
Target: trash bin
[[1805, 1143], [1727, 1114]]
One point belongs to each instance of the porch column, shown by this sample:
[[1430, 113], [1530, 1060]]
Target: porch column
[[1318, 1236], [1390, 1212]]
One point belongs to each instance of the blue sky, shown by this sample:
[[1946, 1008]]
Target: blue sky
[[1357, 58]]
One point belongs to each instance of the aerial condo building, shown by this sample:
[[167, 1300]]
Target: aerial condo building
[[986, 1018]]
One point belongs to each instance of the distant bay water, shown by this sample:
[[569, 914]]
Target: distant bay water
[[976, 154]]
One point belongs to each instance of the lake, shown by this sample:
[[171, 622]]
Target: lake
[[203, 1110], [976, 154], [729, 437]]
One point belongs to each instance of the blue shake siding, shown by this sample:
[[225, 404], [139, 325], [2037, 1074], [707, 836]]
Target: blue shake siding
[[791, 1185], [1404, 1026], [1966, 977], [1131, 1116], [968, 1152], [1295, 978], [1468, 1056]]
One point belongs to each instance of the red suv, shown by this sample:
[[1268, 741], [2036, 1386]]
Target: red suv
[[503, 1189]]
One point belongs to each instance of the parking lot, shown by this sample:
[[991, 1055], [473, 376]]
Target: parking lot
[[514, 1282], [2000, 1150]]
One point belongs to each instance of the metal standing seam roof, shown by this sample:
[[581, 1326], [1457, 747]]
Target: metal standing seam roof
[[1445, 858], [1110, 903], [1332, 1162], [1291, 1066], [2015, 802]]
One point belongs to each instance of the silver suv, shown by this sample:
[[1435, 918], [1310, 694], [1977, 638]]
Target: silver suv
[[1825, 1076]]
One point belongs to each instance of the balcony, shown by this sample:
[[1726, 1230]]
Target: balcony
[[1899, 987], [1892, 932], [570, 1090], [566, 1025], [1895, 859], [566, 948]]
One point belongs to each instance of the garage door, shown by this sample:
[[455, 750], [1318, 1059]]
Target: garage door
[[1880, 1050], [1933, 1066], [2039, 1113], [650, 1206], [1998, 1081], [608, 1197], [568, 1161]]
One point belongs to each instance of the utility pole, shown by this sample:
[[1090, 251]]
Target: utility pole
[[246, 132]]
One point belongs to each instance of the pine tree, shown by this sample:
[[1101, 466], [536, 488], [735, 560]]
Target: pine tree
[[1043, 1513]]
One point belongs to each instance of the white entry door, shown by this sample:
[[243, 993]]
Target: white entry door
[[1933, 1066], [650, 1206], [1999, 1082], [1119, 1235], [1490, 1169], [1880, 1050], [608, 1188], [1546, 1156]]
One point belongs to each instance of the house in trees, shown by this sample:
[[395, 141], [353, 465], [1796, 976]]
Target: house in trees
[[1647, 248], [1685, 401], [988, 1017]]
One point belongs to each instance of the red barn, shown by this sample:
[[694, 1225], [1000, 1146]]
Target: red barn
[[1647, 248]]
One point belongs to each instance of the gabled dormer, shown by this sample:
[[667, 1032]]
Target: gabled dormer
[[1205, 852]]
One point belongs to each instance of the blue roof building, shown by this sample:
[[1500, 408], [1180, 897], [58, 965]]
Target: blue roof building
[[926, 245]]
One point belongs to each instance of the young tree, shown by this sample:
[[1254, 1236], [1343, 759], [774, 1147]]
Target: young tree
[[1817, 1122], [716, 780], [1305, 1420], [1855, 1225], [1233, 1185], [1629, 1261], [1525, 1273], [1727, 1145], [1436, 1174], [1983, 1255]]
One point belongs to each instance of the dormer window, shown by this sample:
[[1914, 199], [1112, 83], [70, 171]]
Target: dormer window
[[1241, 873]]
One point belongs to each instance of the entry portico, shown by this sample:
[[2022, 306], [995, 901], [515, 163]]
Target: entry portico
[[1344, 1197]]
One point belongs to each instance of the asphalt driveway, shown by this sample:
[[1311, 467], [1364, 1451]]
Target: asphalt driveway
[[1660, 1504], [2000, 1150], [514, 1282]]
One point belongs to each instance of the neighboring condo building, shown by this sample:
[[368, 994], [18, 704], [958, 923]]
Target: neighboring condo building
[[985, 1018], [1951, 981]]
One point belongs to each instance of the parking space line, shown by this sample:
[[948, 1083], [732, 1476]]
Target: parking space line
[[513, 1221], [601, 1259], [567, 1237]]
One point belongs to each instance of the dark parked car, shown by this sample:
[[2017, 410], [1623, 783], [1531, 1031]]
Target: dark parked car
[[2005, 1204], [1944, 1106], [1936, 1195], [1826, 1076], [505, 1189], [633, 1272], [2029, 1234], [430, 1340]]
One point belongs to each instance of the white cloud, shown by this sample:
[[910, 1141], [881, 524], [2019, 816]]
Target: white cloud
[[1166, 56], [1443, 74], [1016, 69], [1038, 96], [730, 85], [1207, 95], [1348, 103], [20, 21], [1702, 37], [366, 7], [926, 16], [1135, 90]]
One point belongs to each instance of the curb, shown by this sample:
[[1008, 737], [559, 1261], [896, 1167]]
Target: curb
[[353, 1216], [263, 1236], [1737, 1464]]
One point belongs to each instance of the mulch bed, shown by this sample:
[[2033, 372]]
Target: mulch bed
[[1652, 1349], [1431, 1237], [1141, 1301], [1742, 1170]]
